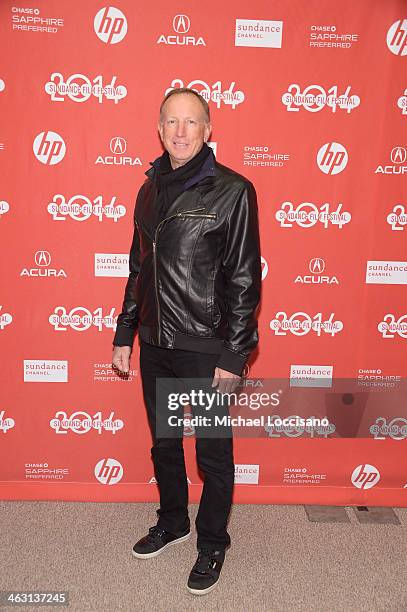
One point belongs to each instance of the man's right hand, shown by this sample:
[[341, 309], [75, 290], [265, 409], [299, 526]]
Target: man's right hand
[[121, 358]]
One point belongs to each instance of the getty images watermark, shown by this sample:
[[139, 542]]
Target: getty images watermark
[[292, 407], [210, 401], [253, 409]]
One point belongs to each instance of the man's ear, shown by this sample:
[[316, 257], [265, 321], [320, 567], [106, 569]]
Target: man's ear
[[160, 129], [208, 130]]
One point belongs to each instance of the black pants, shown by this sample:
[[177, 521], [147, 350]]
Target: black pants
[[214, 455]]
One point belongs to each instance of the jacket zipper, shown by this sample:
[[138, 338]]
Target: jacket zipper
[[188, 214], [155, 276], [182, 214]]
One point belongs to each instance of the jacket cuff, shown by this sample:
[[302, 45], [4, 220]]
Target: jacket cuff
[[124, 336], [231, 361]]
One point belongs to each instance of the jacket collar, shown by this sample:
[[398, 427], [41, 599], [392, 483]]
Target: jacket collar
[[207, 170]]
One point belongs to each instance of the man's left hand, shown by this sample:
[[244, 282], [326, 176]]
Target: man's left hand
[[225, 381]]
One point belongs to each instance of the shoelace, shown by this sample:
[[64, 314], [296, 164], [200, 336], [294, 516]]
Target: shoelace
[[156, 532], [204, 560]]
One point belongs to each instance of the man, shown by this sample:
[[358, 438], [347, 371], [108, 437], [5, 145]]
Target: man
[[192, 293]]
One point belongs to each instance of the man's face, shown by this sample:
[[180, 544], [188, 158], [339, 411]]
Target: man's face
[[183, 128]]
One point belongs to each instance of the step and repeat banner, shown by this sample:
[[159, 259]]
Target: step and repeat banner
[[309, 101]]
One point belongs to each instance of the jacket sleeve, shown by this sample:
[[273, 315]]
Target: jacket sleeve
[[127, 321], [241, 267]]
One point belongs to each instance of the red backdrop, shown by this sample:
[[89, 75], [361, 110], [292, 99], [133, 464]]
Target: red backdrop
[[308, 100]]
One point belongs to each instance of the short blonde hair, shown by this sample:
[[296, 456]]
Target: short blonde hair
[[186, 90]]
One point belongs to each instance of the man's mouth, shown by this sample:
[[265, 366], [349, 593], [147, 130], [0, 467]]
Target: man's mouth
[[181, 144]]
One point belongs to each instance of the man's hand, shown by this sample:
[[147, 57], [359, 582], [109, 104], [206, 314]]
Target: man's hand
[[121, 358], [225, 381]]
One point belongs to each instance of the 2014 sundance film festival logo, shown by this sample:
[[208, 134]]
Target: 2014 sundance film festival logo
[[108, 471], [49, 148], [264, 268], [316, 267], [32, 20], [402, 102], [110, 25], [6, 423], [80, 88], [118, 148], [365, 476], [332, 158], [42, 261], [301, 323], [308, 214], [216, 93], [5, 318], [81, 208], [4, 207], [81, 422], [395, 429], [397, 219], [214, 146], [258, 33], [398, 165], [81, 319], [181, 25], [314, 98], [393, 326], [397, 37], [295, 426]]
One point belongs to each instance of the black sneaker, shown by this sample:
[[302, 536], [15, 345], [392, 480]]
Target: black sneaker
[[206, 571], [156, 541]]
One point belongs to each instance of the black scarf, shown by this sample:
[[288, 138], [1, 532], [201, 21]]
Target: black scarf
[[170, 183]]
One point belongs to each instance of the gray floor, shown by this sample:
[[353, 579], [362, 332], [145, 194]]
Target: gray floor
[[279, 560]]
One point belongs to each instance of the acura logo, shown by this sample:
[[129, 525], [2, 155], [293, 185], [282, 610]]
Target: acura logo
[[118, 145], [398, 155], [317, 265], [181, 24], [42, 258]]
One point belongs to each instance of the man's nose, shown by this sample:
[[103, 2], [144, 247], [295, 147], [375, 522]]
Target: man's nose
[[181, 128]]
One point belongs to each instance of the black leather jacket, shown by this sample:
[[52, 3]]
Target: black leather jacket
[[195, 276]]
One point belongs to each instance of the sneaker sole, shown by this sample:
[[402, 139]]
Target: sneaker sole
[[160, 550], [203, 591]]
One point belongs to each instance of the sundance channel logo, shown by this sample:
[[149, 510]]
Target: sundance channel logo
[[246, 473], [258, 33], [386, 272], [112, 264], [45, 370]]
